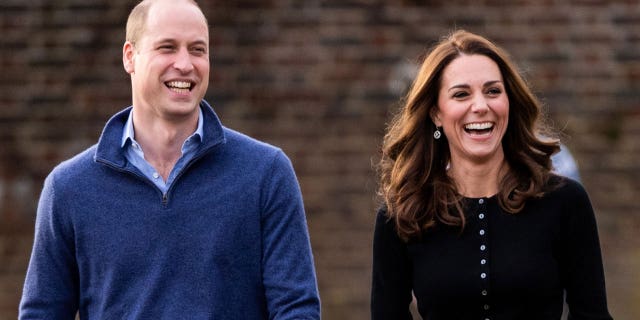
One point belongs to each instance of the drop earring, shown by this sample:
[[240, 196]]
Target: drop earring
[[437, 134]]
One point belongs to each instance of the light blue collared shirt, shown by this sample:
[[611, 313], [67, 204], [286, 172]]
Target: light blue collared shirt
[[135, 154], [564, 164]]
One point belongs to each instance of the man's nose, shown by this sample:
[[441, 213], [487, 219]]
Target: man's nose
[[183, 61]]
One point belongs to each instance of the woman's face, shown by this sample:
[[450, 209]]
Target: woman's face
[[473, 109]]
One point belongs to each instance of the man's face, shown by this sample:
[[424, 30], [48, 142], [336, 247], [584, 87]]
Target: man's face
[[169, 64]]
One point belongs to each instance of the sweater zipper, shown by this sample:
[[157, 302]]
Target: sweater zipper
[[165, 197]]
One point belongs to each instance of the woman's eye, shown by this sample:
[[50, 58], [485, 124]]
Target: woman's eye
[[494, 91], [460, 94]]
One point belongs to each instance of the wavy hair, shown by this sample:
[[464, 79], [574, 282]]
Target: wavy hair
[[414, 183]]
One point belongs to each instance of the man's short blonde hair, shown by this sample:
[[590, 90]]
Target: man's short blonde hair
[[137, 21]]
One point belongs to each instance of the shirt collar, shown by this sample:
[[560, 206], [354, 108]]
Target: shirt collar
[[129, 134], [127, 131]]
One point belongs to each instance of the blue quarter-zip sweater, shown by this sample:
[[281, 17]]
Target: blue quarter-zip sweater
[[228, 241]]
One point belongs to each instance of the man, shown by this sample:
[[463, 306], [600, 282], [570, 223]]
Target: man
[[171, 215]]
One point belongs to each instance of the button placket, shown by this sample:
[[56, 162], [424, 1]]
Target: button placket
[[484, 256]]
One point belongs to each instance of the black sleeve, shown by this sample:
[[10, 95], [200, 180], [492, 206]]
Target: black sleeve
[[581, 261], [391, 285]]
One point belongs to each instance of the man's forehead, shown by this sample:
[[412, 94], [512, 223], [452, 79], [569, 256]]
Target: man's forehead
[[171, 7], [170, 20]]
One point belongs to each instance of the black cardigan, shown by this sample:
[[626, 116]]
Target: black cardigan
[[501, 266]]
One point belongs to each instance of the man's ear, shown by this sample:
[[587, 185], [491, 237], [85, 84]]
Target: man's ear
[[128, 54]]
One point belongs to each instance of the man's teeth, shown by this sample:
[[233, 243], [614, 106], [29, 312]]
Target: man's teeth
[[179, 84], [479, 126]]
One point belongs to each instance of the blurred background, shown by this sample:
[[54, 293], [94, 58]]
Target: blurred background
[[320, 79]]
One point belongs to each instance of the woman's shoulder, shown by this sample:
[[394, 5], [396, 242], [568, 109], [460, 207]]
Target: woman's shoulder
[[382, 215], [565, 187], [564, 195]]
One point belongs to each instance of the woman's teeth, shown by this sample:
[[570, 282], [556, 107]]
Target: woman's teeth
[[482, 126]]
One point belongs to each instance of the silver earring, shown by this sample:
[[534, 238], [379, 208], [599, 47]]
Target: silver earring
[[437, 134]]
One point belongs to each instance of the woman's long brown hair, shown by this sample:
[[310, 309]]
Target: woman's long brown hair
[[414, 183]]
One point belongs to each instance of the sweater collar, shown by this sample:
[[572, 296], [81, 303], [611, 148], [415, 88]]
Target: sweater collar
[[109, 150]]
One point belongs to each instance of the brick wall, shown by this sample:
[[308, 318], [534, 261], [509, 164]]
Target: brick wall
[[319, 78]]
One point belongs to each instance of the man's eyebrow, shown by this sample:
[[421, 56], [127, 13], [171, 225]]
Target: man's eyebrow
[[200, 42], [172, 40]]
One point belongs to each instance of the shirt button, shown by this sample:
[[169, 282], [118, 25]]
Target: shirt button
[[481, 201], [484, 292], [486, 307], [156, 175], [483, 247], [482, 232], [481, 216], [483, 261], [483, 275]]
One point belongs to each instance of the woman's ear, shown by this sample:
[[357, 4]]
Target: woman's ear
[[128, 54], [435, 116]]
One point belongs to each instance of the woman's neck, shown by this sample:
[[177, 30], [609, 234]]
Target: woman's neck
[[478, 180]]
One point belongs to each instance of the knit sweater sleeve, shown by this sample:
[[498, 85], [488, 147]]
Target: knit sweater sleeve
[[51, 284], [391, 275], [581, 264], [287, 263]]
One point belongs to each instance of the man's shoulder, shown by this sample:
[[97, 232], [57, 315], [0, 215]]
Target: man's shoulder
[[76, 165], [239, 141], [242, 151]]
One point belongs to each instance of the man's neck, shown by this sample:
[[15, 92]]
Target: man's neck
[[162, 140]]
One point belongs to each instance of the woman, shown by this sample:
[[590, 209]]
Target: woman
[[474, 222]]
